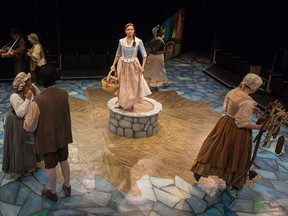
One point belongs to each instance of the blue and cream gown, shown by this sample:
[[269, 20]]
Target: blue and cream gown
[[132, 85]]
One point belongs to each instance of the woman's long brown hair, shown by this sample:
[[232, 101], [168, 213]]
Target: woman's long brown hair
[[126, 26]]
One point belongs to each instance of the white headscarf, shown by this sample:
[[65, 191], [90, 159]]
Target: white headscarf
[[155, 30], [20, 80], [253, 81]]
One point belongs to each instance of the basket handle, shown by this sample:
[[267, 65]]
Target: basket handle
[[110, 74]]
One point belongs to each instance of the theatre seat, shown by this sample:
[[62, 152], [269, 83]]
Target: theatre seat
[[69, 61], [85, 61]]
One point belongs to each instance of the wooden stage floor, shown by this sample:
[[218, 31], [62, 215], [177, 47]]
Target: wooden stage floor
[[182, 127]]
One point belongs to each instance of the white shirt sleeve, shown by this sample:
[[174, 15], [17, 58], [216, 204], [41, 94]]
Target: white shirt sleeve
[[244, 113], [19, 105], [32, 117]]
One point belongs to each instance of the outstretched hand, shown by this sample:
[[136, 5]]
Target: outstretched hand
[[257, 110]]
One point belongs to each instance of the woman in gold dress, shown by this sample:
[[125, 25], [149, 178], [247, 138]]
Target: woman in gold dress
[[226, 152]]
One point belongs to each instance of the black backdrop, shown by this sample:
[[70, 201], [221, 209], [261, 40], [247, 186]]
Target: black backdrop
[[89, 23]]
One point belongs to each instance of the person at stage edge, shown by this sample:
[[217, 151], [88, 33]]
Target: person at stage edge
[[155, 72], [132, 85], [36, 55], [17, 49], [226, 152], [19, 158], [49, 116]]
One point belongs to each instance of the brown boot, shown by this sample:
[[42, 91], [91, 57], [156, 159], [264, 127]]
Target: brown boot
[[67, 190], [50, 195]]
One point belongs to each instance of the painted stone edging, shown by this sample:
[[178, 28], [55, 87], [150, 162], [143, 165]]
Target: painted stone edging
[[134, 125]]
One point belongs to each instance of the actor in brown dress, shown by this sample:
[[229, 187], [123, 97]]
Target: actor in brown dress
[[19, 157], [226, 152]]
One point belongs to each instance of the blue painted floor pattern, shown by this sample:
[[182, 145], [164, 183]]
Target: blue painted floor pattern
[[267, 194]]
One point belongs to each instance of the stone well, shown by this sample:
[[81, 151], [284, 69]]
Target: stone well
[[142, 121]]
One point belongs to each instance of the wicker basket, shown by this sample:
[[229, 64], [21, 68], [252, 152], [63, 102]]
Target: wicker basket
[[110, 82]]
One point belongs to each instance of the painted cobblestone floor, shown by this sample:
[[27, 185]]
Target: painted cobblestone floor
[[267, 194]]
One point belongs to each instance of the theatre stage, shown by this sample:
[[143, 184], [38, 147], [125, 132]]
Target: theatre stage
[[182, 127]]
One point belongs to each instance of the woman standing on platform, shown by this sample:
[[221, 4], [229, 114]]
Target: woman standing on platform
[[132, 85], [19, 157], [226, 152], [155, 72]]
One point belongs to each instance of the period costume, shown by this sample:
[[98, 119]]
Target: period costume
[[19, 156], [52, 130], [20, 55], [155, 72], [49, 117], [132, 85], [36, 54], [227, 150], [19, 50]]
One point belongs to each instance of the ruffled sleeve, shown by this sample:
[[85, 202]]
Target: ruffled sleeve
[[19, 105]]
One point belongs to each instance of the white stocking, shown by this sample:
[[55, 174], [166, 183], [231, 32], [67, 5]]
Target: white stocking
[[52, 179], [65, 168]]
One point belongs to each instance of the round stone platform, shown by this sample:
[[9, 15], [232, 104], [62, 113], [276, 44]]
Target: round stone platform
[[142, 121]]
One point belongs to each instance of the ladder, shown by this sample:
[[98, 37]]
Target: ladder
[[279, 67]]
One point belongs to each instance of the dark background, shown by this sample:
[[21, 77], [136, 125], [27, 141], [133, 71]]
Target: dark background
[[255, 29]]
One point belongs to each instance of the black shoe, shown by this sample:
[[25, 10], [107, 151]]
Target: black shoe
[[197, 177], [50, 195], [153, 88], [67, 190]]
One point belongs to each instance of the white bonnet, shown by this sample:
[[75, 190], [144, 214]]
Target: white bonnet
[[253, 81], [20, 79], [155, 30]]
